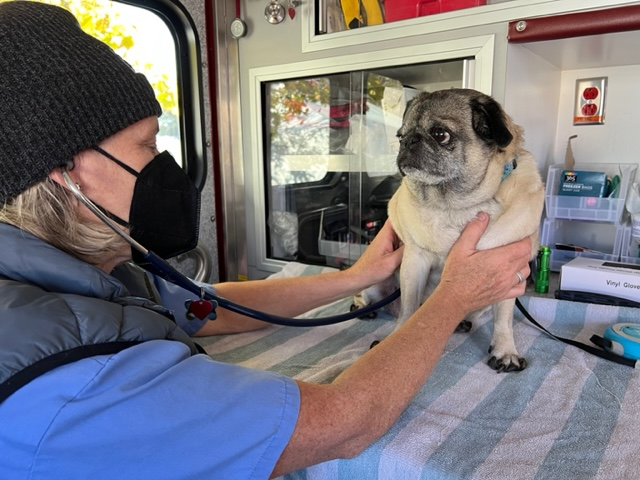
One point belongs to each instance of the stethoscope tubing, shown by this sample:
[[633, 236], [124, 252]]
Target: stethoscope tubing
[[166, 271]]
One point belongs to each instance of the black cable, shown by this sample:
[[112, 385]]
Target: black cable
[[612, 357]]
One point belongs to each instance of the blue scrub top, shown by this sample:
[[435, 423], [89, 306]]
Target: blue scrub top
[[174, 298], [150, 411]]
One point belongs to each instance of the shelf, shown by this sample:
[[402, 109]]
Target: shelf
[[594, 51], [598, 38]]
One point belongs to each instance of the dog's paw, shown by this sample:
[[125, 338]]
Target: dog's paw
[[361, 300], [464, 326], [506, 363], [368, 316]]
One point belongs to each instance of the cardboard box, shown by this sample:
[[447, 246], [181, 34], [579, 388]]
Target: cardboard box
[[621, 280], [582, 183]]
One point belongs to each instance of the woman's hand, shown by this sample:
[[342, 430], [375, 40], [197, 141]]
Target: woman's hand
[[380, 259], [479, 278]]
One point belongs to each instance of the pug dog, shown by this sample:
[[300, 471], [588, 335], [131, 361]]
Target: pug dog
[[460, 154]]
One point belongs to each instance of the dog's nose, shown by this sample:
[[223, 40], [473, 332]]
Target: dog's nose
[[410, 139]]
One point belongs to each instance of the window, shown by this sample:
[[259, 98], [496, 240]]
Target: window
[[330, 156]]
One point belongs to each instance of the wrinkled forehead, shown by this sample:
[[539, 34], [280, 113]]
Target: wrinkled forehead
[[446, 108]]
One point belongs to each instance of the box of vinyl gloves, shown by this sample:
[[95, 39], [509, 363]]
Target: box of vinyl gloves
[[582, 274]]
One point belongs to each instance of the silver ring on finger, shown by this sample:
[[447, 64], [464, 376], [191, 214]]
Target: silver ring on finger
[[520, 277]]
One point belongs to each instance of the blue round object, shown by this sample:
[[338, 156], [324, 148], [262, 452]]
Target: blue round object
[[625, 340]]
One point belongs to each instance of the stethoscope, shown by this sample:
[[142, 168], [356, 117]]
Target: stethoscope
[[163, 269], [621, 342]]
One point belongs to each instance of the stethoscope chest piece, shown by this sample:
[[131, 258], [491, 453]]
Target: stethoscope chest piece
[[274, 13], [238, 28]]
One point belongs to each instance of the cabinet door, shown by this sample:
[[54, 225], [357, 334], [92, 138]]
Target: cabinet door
[[319, 154], [340, 15], [330, 146]]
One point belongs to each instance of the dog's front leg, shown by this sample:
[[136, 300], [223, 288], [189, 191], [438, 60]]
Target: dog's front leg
[[414, 274], [504, 356]]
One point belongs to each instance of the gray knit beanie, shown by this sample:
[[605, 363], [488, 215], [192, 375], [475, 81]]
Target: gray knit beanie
[[61, 92]]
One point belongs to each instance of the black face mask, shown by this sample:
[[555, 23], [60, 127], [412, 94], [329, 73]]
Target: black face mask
[[165, 208]]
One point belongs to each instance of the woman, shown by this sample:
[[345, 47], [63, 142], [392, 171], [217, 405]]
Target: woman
[[96, 378]]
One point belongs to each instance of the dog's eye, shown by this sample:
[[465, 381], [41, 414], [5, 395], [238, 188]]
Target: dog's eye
[[441, 136]]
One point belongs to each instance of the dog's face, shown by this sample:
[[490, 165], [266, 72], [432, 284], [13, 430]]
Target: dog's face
[[450, 137]]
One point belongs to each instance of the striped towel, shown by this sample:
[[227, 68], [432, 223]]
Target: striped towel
[[569, 415]]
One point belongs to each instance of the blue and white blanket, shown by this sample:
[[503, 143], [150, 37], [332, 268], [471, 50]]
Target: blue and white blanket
[[569, 415]]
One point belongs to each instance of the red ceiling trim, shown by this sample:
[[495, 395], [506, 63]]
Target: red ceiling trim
[[610, 20]]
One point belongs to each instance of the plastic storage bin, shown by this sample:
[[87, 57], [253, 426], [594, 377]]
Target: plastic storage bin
[[603, 240], [630, 252], [589, 208]]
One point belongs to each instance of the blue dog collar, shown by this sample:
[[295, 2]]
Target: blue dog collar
[[509, 167]]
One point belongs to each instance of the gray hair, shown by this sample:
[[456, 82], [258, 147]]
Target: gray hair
[[51, 213]]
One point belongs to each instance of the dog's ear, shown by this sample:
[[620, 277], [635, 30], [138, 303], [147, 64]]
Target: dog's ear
[[489, 121]]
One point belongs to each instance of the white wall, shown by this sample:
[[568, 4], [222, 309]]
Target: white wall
[[532, 96], [618, 140]]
